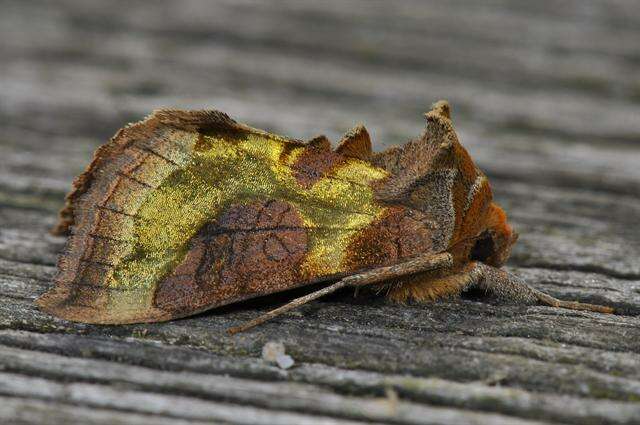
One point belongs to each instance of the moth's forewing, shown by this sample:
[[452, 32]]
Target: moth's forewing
[[188, 211]]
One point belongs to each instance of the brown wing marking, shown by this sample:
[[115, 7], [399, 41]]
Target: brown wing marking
[[356, 143], [320, 143], [250, 250], [399, 234], [318, 160], [315, 162]]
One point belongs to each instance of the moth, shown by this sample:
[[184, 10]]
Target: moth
[[190, 210]]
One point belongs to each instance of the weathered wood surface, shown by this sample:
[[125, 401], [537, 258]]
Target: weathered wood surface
[[546, 95]]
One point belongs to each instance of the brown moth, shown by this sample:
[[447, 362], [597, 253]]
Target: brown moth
[[190, 210]]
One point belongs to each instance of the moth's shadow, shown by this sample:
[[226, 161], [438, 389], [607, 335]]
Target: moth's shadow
[[344, 296], [272, 301], [476, 294]]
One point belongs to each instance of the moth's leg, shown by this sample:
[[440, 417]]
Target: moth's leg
[[429, 287], [417, 264], [508, 287]]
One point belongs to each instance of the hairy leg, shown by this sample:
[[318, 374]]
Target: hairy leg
[[431, 286]]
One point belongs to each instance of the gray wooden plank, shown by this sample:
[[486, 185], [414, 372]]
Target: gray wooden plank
[[472, 395], [182, 407], [575, 114], [19, 411]]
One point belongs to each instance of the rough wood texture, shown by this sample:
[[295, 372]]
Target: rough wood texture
[[546, 95]]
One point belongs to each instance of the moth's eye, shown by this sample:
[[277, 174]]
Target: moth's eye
[[483, 248]]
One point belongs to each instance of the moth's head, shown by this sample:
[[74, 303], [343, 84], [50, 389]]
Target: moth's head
[[493, 246]]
